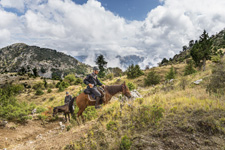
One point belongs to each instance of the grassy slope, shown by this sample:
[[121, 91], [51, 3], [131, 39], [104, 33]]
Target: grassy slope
[[191, 118]]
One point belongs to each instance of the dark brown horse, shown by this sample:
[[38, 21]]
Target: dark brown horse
[[66, 109], [83, 100]]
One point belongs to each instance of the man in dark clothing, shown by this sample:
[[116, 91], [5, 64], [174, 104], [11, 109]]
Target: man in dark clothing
[[68, 98], [92, 81]]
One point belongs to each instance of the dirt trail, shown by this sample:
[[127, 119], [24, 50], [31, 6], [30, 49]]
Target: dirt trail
[[35, 136]]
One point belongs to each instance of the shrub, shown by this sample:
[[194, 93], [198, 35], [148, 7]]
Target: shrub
[[125, 143], [171, 74], [183, 83], [49, 90], [217, 80], [39, 92], [216, 58], [70, 78], [131, 86], [39, 85], [134, 71], [40, 109], [111, 125], [61, 88], [78, 81], [152, 78], [189, 69], [109, 76]]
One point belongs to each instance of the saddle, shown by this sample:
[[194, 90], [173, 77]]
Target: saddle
[[92, 97]]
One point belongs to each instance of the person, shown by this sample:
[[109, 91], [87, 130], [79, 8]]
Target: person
[[68, 98], [92, 81]]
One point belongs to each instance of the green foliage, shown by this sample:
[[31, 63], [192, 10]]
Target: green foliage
[[134, 71], [68, 127], [43, 70], [201, 50], [49, 90], [164, 61], [39, 92], [111, 125], [125, 143], [11, 109], [215, 58], [90, 113], [61, 88], [217, 80], [189, 69], [156, 113], [70, 78], [38, 85], [45, 84], [109, 76], [78, 81], [171, 74], [131, 86], [100, 61], [152, 78], [40, 109]]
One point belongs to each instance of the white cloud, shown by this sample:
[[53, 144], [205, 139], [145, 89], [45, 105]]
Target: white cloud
[[90, 29]]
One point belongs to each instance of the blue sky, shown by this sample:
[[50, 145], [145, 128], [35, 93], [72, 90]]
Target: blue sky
[[129, 9]]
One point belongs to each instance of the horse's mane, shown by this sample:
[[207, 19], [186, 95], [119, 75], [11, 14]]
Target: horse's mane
[[113, 89]]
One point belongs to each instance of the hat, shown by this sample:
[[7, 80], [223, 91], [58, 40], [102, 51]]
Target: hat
[[67, 92], [96, 68]]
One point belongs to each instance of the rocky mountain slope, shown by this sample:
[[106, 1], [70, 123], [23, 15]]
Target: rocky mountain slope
[[21, 57]]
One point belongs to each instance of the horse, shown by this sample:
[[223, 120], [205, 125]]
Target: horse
[[67, 109], [83, 100]]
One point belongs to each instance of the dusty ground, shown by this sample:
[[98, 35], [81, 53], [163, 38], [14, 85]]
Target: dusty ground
[[35, 136]]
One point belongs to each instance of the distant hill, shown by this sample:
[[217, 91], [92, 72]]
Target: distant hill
[[48, 63]]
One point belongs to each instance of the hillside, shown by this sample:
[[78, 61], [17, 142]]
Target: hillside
[[48, 63], [167, 117]]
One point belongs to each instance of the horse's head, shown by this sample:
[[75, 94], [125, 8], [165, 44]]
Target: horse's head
[[55, 111], [126, 90]]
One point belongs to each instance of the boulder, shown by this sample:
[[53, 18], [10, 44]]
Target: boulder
[[197, 82]]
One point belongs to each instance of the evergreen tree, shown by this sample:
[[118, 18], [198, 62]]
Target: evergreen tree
[[152, 78], [100, 61], [202, 49], [171, 74], [134, 71]]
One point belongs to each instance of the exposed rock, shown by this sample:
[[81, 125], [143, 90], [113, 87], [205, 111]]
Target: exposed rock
[[62, 126], [197, 82], [34, 111], [135, 94], [3, 123]]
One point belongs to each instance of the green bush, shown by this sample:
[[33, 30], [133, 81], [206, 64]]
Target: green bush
[[171, 74], [49, 90], [109, 76], [61, 88], [189, 69], [216, 58], [131, 86], [39, 92], [39, 85], [78, 81], [152, 78], [70, 78], [134, 71], [217, 80], [111, 125], [11, 109], [40, 109], [125, 143]]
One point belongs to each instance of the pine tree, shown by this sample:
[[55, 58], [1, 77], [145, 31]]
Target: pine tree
[[201, 50], [100, 61]]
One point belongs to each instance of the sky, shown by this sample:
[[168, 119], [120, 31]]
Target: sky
[[153, 29]]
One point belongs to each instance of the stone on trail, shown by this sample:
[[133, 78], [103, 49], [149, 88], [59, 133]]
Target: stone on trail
[[197, 82]]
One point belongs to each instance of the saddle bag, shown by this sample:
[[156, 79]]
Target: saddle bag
[[87, 91]]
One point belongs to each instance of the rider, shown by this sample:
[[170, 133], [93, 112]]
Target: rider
[[68, 98], [92, 81]]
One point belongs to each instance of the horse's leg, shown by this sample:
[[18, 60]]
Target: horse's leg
[[65, 117], [69, 116]]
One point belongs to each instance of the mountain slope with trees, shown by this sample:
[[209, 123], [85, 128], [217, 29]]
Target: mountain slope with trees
[[45, 62]]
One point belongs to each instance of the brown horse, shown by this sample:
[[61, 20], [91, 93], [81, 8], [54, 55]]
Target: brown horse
[[83, 100], [66, 109]]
